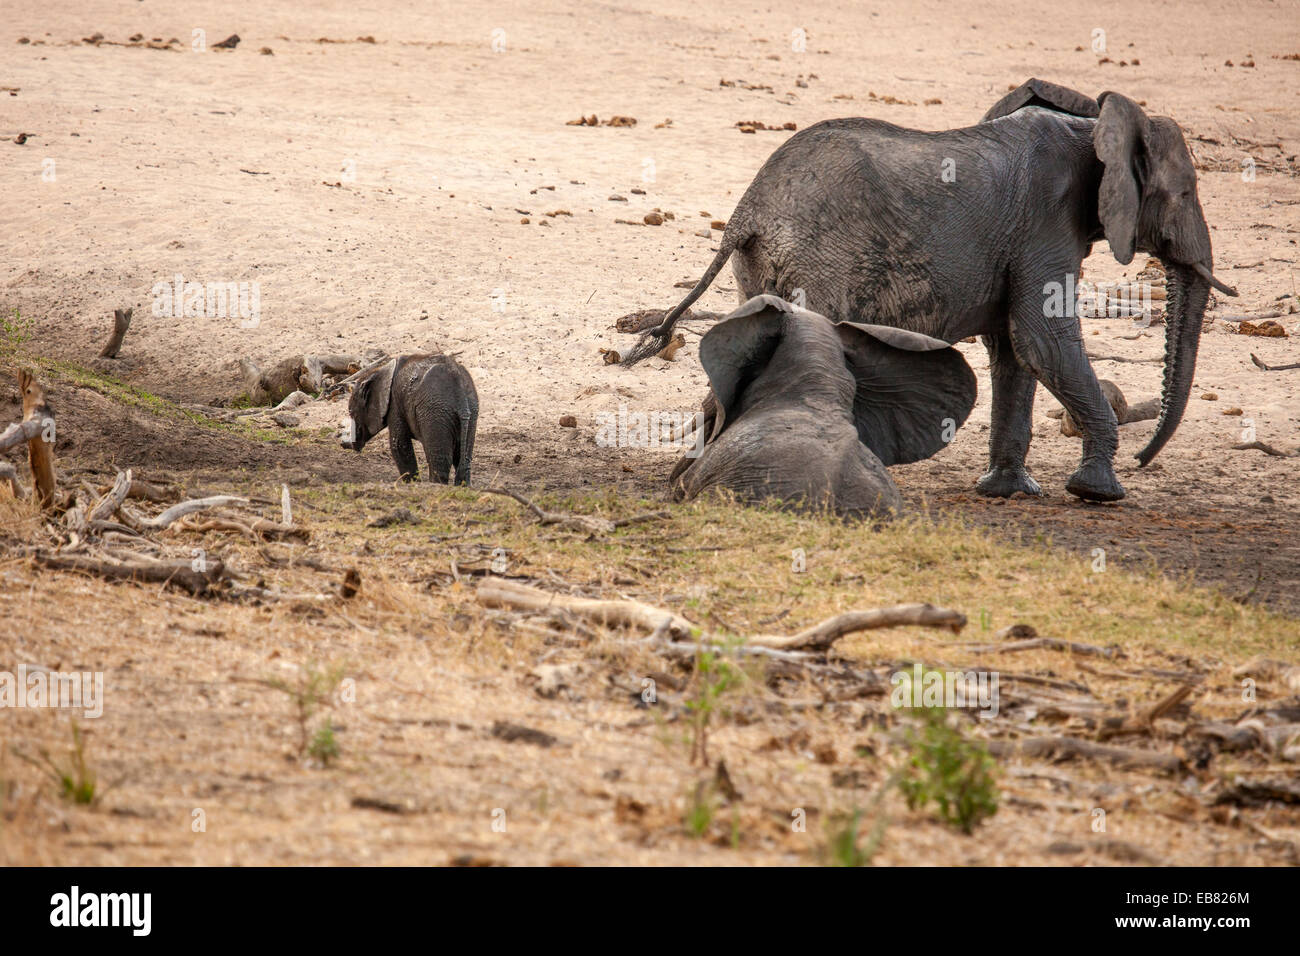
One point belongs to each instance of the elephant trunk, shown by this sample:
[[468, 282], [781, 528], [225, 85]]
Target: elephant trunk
[[1188, 293]]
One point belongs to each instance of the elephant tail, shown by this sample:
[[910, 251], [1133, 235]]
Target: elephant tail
[[656, 339], [465, 447]]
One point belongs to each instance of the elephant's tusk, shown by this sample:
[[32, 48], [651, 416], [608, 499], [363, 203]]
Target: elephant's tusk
[[1208, 276]]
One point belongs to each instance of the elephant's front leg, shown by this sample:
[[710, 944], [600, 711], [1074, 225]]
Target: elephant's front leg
[[399, 445], [1051, 346], [1011, 423]]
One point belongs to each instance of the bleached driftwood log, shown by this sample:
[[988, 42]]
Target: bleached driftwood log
[[176, 512], [497, 592]]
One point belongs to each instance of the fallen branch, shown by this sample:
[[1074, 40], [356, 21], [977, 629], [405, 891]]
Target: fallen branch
[[1272, 368], [588, 523], [176, 573], [121, 322], [1260, 446], [107, 506], [18, 433], [257, 528], [498, 592], [342, 384], [823, 635], [176, 512], [1050, 643], [1064, 748], [1249, 317], [1120, 358], [1141, 723], [9, 479]]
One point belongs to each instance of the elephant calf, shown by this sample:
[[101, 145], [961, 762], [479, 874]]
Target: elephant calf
[[426, 398], [810, 412]]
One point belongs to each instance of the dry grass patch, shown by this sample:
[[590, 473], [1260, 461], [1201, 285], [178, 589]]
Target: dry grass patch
[[457, 733]]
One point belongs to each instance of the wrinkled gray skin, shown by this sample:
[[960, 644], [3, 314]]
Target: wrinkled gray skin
[[856, 213], [809, 412], [426, 398]]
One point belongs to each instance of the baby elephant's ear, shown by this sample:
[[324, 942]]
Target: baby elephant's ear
[[375, 392], [913, 392], [1051, 96], [735, 350]]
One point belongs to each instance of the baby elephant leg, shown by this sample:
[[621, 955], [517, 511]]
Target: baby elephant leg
[[403, 452], [438, 449]]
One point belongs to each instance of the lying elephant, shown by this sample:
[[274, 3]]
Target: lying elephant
[[982, 231], [810, 412], [428, 398]]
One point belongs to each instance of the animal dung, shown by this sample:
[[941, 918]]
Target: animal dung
[[750, 126], [1268, 329], [568, 421], [592, 120]]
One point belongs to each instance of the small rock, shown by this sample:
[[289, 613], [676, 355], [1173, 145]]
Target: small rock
[[568, 421], [509, 732], [1209, 397], [1232, 411], [286, 419], [399, 516], [717, 224], [351, 584], [653, 219]]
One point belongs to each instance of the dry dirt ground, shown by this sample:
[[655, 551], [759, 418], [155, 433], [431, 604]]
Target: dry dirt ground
[[372, 173]]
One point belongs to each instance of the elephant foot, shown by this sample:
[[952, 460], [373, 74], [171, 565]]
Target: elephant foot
[[1004, 482], [1095, 481]]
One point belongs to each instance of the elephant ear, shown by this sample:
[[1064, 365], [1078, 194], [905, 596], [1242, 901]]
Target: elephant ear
[[369, 404], [1119, 139], [913, 391], [737, 349], [1049, 96]]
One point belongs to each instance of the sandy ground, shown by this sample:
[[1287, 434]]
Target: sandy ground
[[375, 192]]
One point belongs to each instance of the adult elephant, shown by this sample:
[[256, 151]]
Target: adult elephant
[[982, 231]]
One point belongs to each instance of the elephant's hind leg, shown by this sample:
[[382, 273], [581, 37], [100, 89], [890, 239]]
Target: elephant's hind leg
[[403, 452], [1011, 424]]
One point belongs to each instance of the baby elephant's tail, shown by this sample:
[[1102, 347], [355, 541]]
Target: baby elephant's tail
[[468, 425], [655, 340]]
